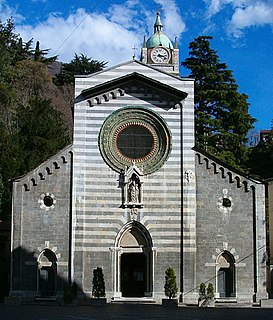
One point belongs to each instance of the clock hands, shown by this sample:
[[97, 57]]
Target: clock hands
[[162, 55]]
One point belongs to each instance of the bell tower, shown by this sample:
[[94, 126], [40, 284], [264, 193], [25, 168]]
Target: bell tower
[[159, 51]]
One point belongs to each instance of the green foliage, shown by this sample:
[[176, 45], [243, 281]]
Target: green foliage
[[80, 65], [31, 125], [41, 132], [222, 121], [206, 294], [261, 157], [39, 55], [210, 291], [98, 289], [202, 291], [170, 287]]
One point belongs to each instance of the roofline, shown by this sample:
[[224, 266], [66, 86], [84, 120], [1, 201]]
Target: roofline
[[229, 167], [18, 179], [134, 61]]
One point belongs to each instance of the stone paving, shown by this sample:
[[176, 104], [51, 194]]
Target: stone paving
[[132, 312]]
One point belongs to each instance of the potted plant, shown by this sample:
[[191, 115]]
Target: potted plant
[[98, 289], [170, 288]]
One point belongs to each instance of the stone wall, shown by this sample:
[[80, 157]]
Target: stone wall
[[229, 227], [38, 225]]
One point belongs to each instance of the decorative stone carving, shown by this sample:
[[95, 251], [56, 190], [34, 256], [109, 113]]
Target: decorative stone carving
[[225, 202], [133, 213], [189, 176], [135, 134], [132, 190]]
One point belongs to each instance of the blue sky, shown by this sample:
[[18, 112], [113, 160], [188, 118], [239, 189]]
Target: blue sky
[[107, 30]]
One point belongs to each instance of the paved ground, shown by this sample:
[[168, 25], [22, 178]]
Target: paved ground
[[132, 312]]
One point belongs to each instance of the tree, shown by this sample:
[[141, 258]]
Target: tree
[[98, 289], [222, 121], [170, 287], [261, 157], [34, 116], [80, 65], [39, 134], [39, 55]]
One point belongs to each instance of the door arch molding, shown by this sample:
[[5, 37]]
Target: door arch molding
[[131, 227], [47, 273], [133, 261], [226, 275]]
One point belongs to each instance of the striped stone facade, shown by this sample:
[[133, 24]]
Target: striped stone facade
[[100, 217], [85, 223]]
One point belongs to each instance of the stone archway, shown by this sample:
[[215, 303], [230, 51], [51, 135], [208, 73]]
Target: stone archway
[[226, 285], [47, 273], [134, 262]]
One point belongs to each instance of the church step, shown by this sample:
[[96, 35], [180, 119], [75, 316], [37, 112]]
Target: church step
[[133, 300]]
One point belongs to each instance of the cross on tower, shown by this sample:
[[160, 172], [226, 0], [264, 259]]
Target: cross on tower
[[134, 48]]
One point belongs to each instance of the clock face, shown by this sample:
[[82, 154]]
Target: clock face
[[160, 55]]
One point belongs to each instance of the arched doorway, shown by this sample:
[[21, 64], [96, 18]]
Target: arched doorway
[[226, 275], [134, 261], [47, 273]]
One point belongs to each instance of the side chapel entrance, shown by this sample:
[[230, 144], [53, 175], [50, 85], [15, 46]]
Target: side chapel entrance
[[135, 261], [226, 275], [47, 272]]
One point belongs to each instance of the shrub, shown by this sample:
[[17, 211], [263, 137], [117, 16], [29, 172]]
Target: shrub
[[170, 286], [204, 294], [202, 291], [98, 289], [210, 291]]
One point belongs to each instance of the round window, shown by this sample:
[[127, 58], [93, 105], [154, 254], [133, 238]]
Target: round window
[[226, 202], [48, 201], [135, 142], [135, 135]]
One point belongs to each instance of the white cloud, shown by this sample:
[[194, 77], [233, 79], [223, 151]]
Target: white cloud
[[174, 25], [93, 35], [6, 12], [253, 15], [108, 36], [244, 13]]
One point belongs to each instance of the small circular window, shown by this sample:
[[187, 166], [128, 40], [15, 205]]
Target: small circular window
[[226, 202], [47, 201], [135, 135]]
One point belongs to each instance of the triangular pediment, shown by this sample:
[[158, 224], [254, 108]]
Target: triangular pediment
[[134, 78], [133, 83]]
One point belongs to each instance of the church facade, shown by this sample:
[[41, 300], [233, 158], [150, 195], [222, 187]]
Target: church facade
[[133, 196]]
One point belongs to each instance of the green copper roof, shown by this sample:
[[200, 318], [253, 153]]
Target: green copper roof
[[158, 38]]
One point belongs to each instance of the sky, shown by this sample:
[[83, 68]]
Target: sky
[[105, 30]]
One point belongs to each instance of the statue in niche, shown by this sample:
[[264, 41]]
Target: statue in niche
[[134, 189]]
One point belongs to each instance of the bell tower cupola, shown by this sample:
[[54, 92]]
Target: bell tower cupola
[[159, 51]]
